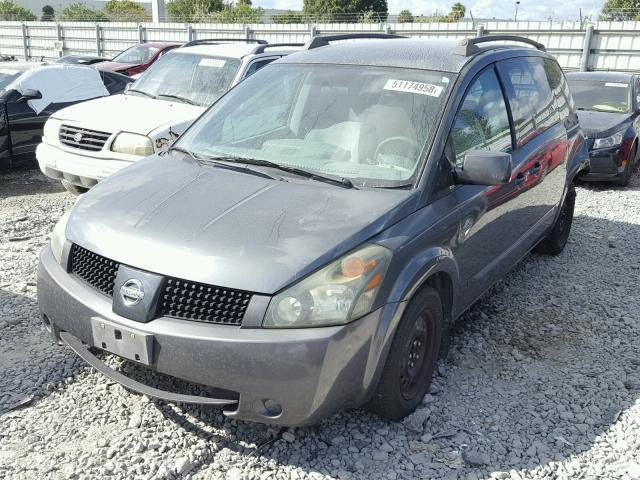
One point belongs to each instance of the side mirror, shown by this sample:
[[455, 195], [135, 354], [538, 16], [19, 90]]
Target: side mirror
[[481, 167], [30, 94]]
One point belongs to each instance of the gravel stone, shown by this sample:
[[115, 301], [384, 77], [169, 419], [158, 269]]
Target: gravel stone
[[542, 380]]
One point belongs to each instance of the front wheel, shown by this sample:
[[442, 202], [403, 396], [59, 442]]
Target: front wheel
[[412, 358], [556, 239], [628, 169], [72, 188]]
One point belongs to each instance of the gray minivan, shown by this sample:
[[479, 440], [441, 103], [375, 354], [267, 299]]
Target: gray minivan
[[307, 243]]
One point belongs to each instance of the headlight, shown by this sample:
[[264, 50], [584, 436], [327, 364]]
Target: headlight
[[341, 292], [51, 128], [608, 142], [58, 237], [132, 144]]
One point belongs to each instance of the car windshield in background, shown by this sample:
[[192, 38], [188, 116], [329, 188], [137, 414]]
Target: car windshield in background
[[7, 76], [366, 124], [600, 96], [135, 55], [189, 78]]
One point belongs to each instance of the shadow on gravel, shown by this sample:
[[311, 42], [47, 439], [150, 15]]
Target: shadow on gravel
[[540, 367], [27, 180], [29, 359]]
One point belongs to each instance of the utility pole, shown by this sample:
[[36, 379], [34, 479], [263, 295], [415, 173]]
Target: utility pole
[[515, 17]]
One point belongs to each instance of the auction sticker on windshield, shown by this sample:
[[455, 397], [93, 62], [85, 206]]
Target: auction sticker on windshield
[[616, 84], [413, 87], [212, 62]]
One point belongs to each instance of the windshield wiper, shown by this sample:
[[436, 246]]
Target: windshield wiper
[[218, 164], [339, 181], [142, 92], [400, 186], [177, 97], [184, 150]]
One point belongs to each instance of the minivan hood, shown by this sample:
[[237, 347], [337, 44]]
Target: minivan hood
[[206, 224], [129, 113], [601, 124]]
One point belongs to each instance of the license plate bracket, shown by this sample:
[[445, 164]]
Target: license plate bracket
[[125, 342]]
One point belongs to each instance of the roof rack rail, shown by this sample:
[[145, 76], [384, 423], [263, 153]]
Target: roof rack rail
[[262, 48], [214, 41], [323, 41], [469, 46]]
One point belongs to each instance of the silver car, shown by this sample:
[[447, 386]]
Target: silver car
[[307, 243]]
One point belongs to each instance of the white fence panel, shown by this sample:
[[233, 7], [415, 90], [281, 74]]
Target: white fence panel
[[613, 45]]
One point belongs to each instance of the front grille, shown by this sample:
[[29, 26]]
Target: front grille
[[204, 303], [82, 138], [179, 298], [94, 269]]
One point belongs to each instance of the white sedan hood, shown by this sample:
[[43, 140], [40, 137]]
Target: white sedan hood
[[128, 113]]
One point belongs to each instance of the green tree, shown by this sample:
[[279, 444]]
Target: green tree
[[458, 11], [240, 13], [11, 11], [288, 17], [620, 10], [48, 13], [346, 10], [79, 12], [405, 17], [193, 10], [126, 11]]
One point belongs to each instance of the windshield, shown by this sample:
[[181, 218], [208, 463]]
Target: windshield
[[366, 124], [600, 95], [136, 55], [188, 77], [7, 76]]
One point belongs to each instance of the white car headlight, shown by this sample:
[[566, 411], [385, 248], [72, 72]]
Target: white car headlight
[[341, 292], [608, 142], [51, 129], [132, 144], [58, 237]]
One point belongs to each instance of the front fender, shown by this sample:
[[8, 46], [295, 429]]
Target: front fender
[[578, 157], [407, 282]]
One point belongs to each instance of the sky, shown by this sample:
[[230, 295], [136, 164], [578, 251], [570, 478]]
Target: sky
[[528, 9]]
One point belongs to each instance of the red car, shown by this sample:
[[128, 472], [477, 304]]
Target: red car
[[138, 58]]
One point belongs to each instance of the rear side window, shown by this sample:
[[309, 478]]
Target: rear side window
[[559, 88], [530, 97], [257, 65], [482, 122]]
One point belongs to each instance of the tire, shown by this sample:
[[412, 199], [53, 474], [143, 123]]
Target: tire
[[412, 358], [628, 169], [74, 189], [556, 239]]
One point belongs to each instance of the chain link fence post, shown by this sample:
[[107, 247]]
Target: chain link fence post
[[141, 33], [189, 33]]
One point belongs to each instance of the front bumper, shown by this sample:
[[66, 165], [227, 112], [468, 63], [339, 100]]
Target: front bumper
[[310, 372], [605, 165], [74, 167]]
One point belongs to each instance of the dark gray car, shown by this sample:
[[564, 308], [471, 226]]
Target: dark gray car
[[306, 245]]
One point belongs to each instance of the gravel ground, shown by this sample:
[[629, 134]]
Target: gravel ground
[[542, 380]]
